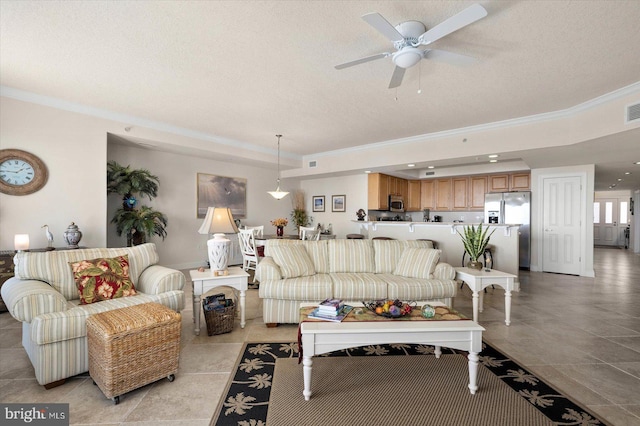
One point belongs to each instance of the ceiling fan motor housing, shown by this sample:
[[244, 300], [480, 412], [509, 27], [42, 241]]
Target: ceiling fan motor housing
[[407, 55]]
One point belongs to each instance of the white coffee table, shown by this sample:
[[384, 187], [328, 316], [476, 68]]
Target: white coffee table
[[478, 280], [322, 337], [204, 281]]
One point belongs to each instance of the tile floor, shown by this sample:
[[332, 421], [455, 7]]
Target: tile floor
[[582, 335]]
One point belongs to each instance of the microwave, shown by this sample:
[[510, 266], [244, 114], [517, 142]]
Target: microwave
[[396, 203]]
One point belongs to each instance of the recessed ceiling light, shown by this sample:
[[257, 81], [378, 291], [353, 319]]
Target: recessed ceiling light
[[637, 162], [494, 156], [493, 161], [411, 165], [627, 173], [619, 179], [367, 171], [612, 185], [431, 167]]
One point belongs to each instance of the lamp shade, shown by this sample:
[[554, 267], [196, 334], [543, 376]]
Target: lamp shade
[[218, 220], [21, 242]]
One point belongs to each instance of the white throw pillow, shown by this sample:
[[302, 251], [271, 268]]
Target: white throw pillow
[[417, 263], [293, 260]]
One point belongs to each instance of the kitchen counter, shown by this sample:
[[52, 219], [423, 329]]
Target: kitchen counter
[[504, 242]]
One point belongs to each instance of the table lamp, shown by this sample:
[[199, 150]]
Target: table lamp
[[218, 221], [21, 242]]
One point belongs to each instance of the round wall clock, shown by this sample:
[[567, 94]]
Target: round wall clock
[[21, 172]]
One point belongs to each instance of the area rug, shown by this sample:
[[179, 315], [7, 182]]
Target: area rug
[[390, 384]]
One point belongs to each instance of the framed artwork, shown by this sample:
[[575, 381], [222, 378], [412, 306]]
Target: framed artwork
[[318, 203], [338, 203], [221, 191]]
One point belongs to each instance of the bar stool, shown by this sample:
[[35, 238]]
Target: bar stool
[[355, 237]]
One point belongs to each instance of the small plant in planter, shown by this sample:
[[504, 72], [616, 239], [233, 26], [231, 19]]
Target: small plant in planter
[[475, 242], [299, 214]]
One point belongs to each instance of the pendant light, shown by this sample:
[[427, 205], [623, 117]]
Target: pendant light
[[278, 194]]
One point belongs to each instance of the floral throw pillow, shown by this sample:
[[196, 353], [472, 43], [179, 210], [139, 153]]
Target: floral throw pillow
[[102, 279]]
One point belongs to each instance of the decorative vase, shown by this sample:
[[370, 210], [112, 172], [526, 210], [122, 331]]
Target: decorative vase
[[474, 264], [279, 231], [218, 250], [72, 236]]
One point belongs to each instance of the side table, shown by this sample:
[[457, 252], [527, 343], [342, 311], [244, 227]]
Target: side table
[[477, 280], [202, 282]]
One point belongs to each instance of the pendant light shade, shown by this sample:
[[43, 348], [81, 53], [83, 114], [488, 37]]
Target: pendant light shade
[[278, 194]]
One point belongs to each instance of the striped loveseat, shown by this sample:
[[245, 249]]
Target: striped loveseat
[[44, 297], [294, 272]]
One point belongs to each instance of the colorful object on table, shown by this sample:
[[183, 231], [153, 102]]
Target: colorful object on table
[[72, 236], [281, 221], [390, 308], [428, 311]]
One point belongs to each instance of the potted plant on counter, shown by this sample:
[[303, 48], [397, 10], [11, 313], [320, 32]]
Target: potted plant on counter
[[299, 214], [475, 242]]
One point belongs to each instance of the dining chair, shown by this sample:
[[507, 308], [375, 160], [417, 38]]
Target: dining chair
[[311, 235], [247, 240], [303, 229], [259, 230]]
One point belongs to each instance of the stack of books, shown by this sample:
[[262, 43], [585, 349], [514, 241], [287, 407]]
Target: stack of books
[[331, 310]]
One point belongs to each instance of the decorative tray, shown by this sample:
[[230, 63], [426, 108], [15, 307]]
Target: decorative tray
[[390, 308]]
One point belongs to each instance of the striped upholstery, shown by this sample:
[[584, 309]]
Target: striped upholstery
[[419, 244], [319, 253], [53, 266], [387, 254], [444, 271], [43, 295], [293, 261], [314, 287], [351, 256], [405, 288], [417, 263], [358, 286]]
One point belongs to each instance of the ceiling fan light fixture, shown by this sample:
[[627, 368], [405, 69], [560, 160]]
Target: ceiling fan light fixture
[[407, 57]]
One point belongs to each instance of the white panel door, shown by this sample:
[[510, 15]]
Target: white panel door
[[605, 222], [561, 224]]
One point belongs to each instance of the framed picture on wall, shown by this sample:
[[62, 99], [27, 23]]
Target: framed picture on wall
[[318, 203], [338, 203], [221, 191]]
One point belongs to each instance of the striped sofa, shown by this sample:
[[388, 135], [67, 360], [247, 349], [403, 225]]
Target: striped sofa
[[44, 297], [294, 272]]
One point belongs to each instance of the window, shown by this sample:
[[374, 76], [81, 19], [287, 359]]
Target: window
[[608, 212], [624, 208], [596, 212]]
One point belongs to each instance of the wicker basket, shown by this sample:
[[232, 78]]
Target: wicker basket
[[220, 321], [132, 347]]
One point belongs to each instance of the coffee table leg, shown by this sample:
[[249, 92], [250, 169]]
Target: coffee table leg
[[307, 361], [242, 306], [507, 307], [437, 351], [473, 372]]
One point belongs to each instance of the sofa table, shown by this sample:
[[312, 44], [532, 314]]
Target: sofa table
[[202, 282], [320, 337], [478, 280]]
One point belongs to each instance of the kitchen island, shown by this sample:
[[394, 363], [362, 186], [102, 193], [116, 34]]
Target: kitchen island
[[504, 241]]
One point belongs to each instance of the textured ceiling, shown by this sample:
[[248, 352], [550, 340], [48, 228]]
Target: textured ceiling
[[245, 70]]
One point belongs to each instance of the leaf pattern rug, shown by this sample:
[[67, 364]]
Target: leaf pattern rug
[[247, 398]]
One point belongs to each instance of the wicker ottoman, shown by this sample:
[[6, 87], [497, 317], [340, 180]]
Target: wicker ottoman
[[132, 347]]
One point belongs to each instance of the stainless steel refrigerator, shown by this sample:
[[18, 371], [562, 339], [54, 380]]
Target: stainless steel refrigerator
[[512, 208]]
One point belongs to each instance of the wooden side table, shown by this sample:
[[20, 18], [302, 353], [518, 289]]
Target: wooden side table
[[6, 271], [202, 282], [478, 280]]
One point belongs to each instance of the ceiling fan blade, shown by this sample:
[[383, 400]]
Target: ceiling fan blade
[[462, 19], [382, 25], [449, 57], [362, 60], [396, 78]]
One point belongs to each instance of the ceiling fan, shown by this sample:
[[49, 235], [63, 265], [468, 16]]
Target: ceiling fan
[[407, 36]]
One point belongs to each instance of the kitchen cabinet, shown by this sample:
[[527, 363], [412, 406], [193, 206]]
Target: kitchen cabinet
[[477, 189], [499, 183], [460, 193], [378, 198], [443, 194], [398, 186], [428, 194], [412, 201], [520, 182]]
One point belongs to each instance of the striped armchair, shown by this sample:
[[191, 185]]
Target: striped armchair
[[294, 272], [44, 297]]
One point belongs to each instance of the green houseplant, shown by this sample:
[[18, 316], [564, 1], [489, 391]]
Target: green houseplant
[[475, 242], [299, 214], [137, 224]]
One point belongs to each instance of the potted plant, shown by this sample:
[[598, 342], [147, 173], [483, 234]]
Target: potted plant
[[475, 242], [299, 214], [137, 224]]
